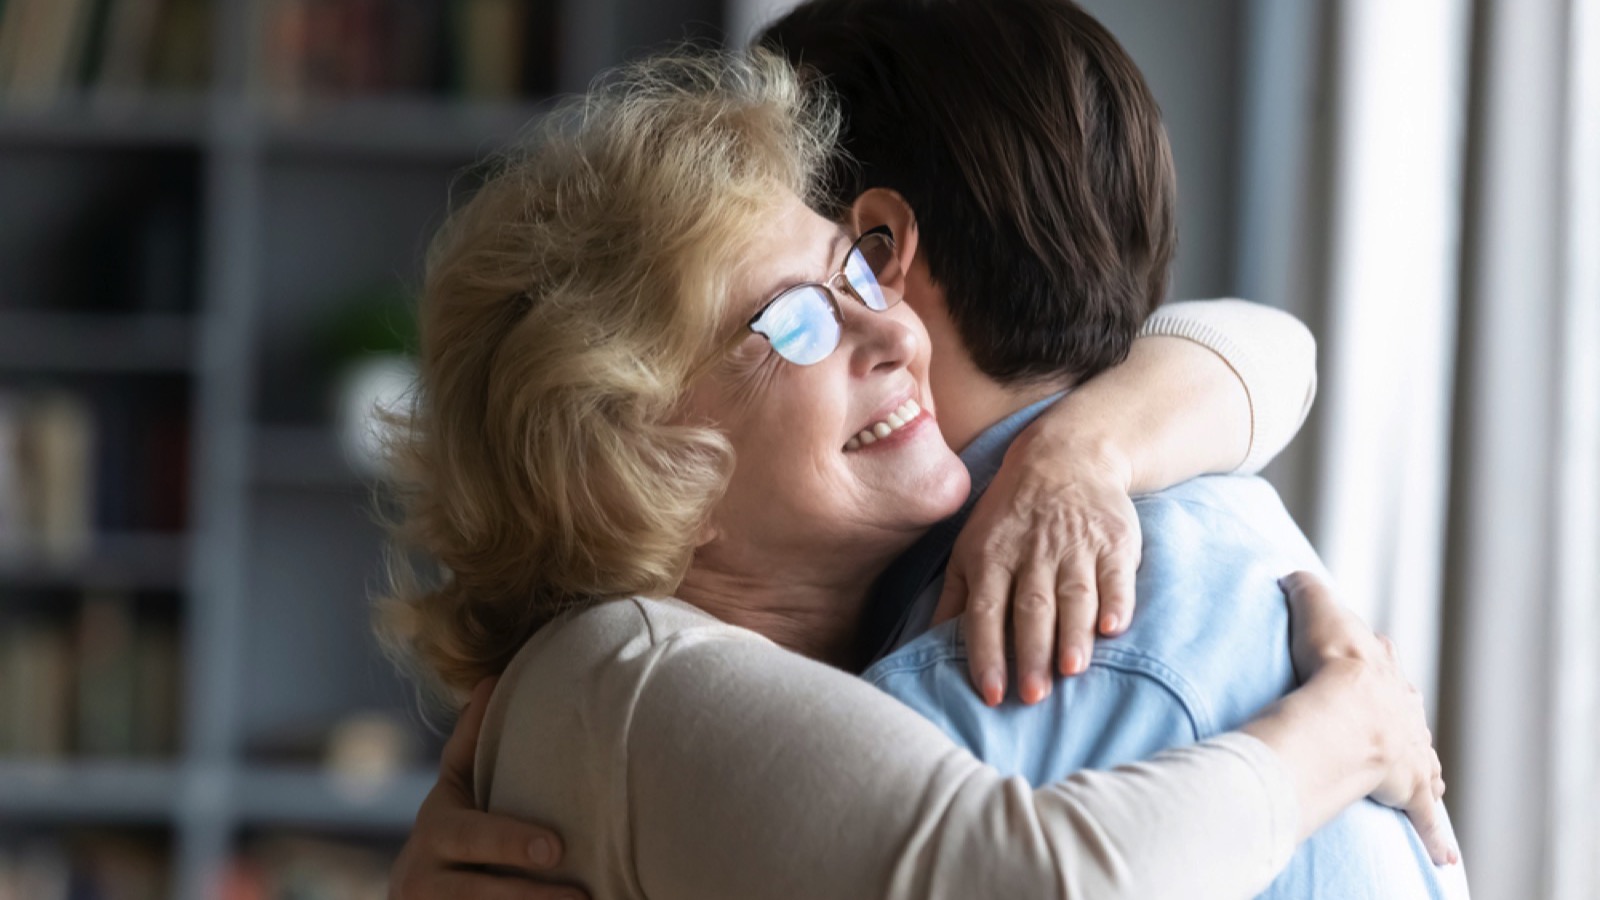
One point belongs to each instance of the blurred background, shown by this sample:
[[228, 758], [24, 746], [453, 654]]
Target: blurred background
[[212, 218]]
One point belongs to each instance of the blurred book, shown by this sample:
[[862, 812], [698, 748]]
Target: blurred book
[[85, 866], [289, 867], [157, 690], [58, 457], [51, 49], [142, 237], [46, 476], [490, 50], [104, 684], [35, 690], [14, 527], [75, 465]]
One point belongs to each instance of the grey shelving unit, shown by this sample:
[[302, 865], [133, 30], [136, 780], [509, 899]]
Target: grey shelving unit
[[274, 567]]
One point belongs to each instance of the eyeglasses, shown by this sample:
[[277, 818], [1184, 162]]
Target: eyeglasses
[[804, 323]]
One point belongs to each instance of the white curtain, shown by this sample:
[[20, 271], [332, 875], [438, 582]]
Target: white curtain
[[1422, 184]]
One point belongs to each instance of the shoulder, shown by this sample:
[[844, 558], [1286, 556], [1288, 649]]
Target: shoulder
[[1212, 495], [600, 648], [1230, 514], [624, 627], [556, 736], [589, 667]]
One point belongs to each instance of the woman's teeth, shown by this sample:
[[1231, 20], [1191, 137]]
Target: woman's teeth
[[871, 435]]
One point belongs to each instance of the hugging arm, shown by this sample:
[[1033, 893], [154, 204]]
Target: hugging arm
[[765, 792], [1209, 387], [885, 806]]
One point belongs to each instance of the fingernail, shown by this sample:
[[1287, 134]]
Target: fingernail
[[541, 852], [994, 688], [1074, 661], [1034, 689], [1108, 624]]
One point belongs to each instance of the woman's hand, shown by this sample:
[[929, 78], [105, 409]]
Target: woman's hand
[[452, 841], [1357, 721], [1055, 543]]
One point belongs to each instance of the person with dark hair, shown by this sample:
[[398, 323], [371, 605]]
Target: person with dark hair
[[1043, 192], [1034, 157], [1044, 268], [1040, 194]]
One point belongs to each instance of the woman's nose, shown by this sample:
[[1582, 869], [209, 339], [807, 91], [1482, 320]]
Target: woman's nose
[[878, 341]]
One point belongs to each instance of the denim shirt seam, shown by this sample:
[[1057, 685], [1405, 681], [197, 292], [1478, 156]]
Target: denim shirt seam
[[1117, 659]]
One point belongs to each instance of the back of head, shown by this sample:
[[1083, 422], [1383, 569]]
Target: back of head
[[564, 306], [1031, 150]]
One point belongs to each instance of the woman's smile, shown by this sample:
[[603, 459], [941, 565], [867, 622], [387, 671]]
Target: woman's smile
[[903, 423]]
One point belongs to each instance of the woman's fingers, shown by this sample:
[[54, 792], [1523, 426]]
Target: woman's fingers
[[1117, 568], [448, 838], [1428, 818], [467, 837], [455, 763], [451, 835], [1034, 618], [984, 626], [1052, 550], [1320, 629], [1080, 606]]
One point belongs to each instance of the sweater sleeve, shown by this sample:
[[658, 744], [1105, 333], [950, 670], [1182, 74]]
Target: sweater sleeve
[[1272, 352], [753, 772]]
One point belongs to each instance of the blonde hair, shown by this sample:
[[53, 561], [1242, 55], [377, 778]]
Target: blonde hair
[[564, 307]]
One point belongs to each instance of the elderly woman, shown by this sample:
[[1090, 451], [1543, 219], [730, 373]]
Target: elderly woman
[[672, 425]]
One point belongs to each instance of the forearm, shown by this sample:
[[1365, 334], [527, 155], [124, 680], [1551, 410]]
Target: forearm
[[1325, 743], [1210, 387], [1173, 410], [859, 797]]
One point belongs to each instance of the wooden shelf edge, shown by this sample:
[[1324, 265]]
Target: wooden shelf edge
[[88, 791], [97, 342], [107, 121], [312, 798], [130, 560]]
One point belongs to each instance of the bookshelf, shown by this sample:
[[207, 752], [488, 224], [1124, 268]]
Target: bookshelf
[[177, 236]]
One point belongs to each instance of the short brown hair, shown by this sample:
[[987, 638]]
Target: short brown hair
[[543, 466], [1030, 148]]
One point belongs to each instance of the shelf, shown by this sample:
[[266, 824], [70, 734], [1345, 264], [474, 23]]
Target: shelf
[[88, 791], [419, 129], [315, 799], [108, 122], [302, 458], [96, 342], [131, 561]]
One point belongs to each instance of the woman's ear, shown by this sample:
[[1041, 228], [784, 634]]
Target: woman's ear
[[883, 207]]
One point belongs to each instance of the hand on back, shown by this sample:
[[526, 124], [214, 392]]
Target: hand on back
[[1330, 642], [1053, 546]]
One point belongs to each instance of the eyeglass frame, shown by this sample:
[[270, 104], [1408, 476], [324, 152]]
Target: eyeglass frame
[[828, 290]]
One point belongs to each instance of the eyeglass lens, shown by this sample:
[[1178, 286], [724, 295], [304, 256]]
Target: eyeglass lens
[[803, 323]]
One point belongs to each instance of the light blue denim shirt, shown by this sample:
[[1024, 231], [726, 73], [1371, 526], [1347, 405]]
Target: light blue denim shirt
[[1207, 650]]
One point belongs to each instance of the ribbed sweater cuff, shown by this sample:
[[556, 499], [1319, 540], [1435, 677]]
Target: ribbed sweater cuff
[[1172, 322]]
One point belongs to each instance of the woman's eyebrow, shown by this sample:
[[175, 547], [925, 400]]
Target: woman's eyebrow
[[840, 246]]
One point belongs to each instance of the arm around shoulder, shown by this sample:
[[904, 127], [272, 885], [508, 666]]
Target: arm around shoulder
[[1273, 353], [754, 772]]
